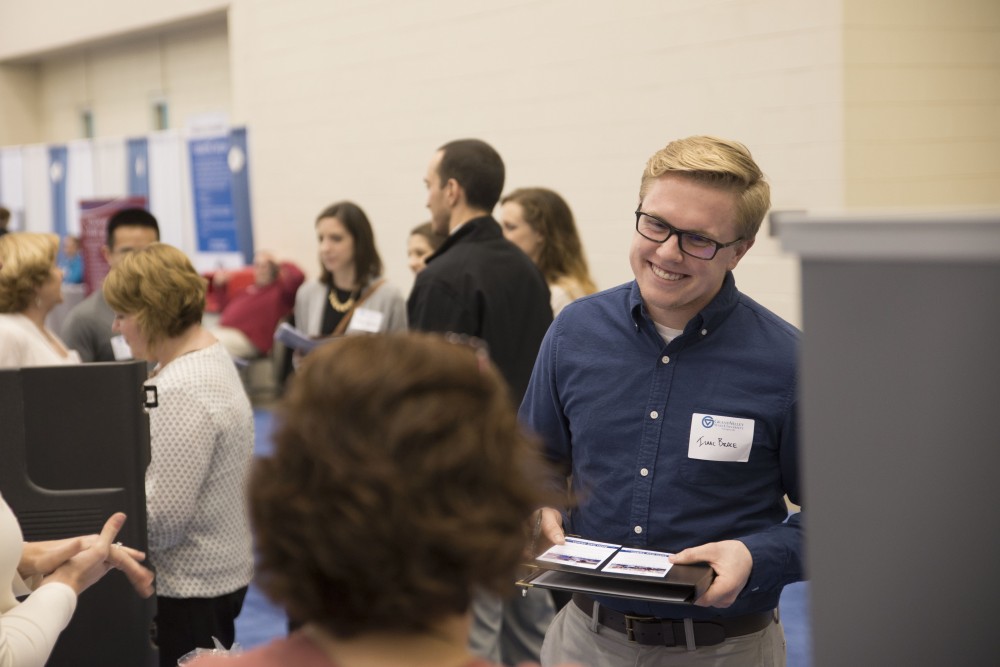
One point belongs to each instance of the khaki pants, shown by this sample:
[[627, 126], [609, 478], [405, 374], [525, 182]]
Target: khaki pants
[[570, 639], [510, 631], [236, 342]]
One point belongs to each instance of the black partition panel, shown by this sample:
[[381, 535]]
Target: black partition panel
[[74, 446]]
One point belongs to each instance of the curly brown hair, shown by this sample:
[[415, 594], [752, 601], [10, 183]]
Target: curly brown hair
[[400, 483]]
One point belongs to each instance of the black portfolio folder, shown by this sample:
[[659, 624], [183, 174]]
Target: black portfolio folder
[[682, 584]]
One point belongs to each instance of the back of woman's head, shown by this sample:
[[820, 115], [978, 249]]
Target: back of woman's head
[[159, 285], [400, 483], [549, 215], [26, 262]]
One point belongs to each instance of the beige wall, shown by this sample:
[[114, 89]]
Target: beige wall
[[349, 99], [188, 68], [28, 29], [20, 106], [922, 102]]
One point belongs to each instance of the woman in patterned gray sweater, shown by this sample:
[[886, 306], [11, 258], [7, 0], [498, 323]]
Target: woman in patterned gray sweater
[[201, 440]]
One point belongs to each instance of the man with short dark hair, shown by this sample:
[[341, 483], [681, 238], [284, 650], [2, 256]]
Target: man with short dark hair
[[87, 328], [479, 284]]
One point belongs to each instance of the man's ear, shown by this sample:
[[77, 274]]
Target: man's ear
[[741, 249], [453, 192], [106, 254]]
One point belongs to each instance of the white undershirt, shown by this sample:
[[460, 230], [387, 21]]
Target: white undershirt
[[667, 333]]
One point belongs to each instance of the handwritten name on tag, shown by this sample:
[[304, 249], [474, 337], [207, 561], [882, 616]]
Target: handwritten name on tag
[[720, 438]]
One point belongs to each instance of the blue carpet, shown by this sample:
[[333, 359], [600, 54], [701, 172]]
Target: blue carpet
[[261, 621]]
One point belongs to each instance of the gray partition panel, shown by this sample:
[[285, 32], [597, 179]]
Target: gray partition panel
[[900, 396]]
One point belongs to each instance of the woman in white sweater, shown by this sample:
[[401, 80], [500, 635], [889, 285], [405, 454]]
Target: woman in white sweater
[[201, 446], [58, 571]]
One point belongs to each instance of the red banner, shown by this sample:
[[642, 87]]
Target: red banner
[[94, 214]]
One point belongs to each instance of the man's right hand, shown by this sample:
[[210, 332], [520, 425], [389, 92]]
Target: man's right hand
[[551, 529]]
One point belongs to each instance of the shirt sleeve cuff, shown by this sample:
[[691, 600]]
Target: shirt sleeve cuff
[[768, 564]]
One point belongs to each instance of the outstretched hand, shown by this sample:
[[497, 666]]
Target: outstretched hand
[[96, 556], [732, 563]]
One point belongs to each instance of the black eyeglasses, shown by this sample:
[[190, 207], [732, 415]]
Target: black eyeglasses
[[696, 245]]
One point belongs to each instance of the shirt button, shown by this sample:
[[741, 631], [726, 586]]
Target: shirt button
[[638, 529], [644, 472], [704, 332], [665, 359], [654, 414]]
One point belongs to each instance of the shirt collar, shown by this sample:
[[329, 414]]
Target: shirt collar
[[478, 229], [708, 319]]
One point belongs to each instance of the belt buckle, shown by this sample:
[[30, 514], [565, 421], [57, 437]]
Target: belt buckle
[[630, 619]]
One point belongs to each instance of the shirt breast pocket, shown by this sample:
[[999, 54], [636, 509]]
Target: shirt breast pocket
[[714, 473]]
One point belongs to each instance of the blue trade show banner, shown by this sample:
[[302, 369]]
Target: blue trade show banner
[[239, 165], [57, 176], [221, 194]]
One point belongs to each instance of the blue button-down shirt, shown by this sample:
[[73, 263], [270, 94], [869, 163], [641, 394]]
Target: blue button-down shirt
[[613, 404]]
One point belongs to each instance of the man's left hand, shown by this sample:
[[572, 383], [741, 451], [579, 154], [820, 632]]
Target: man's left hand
[[732, 563]]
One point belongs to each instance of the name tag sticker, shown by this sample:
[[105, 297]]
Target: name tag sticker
[[369, 321], [719, 438], [120, 348]]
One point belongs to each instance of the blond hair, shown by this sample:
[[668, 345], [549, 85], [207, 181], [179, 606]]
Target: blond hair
[[160, 286], [26, 263], [720, 163]]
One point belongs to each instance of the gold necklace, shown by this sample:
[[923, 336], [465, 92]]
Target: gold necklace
[[337, 304]]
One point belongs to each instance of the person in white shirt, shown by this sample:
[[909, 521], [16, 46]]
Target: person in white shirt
[[201, 446], [58, 571], [30, 287]]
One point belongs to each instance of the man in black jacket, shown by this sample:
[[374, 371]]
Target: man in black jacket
[[480, 284]]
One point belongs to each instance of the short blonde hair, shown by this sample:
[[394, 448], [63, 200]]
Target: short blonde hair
[[160, 286], [27, 260], [721, 163]]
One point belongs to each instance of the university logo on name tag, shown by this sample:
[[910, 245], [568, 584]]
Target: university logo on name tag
[[364, 319], [720, 438]]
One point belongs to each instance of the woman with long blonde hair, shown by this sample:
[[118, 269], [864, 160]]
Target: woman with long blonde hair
[[540, 222]]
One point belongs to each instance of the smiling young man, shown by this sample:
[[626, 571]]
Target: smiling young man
[[694, 360]]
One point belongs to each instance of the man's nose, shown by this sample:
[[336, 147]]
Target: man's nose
[[671, 249]]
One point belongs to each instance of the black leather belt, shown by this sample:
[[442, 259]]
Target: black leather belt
[[652, 631]]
